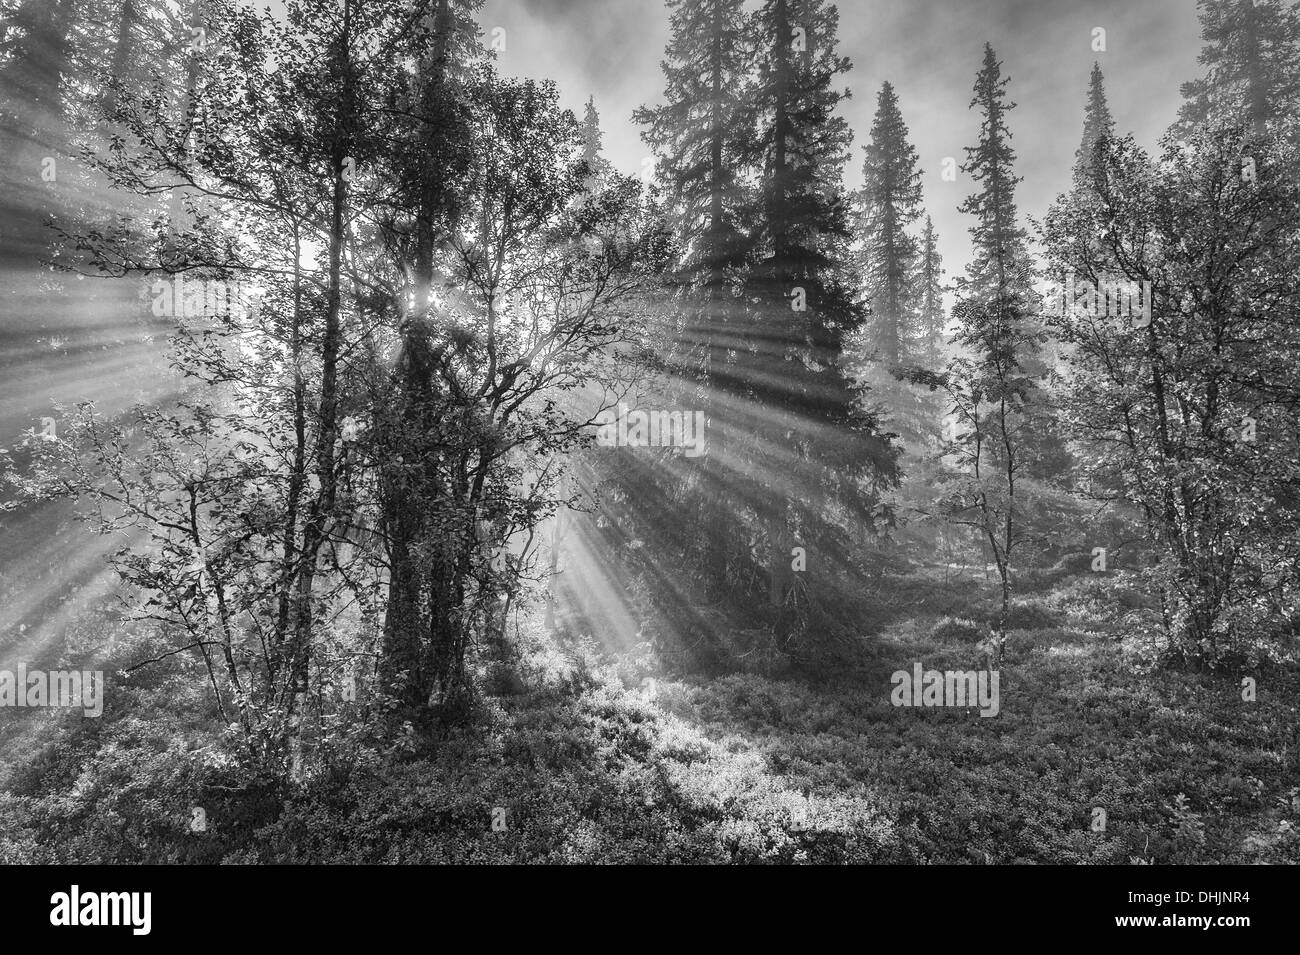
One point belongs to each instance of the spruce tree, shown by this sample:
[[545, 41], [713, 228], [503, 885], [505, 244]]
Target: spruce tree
[[1252, 64], [891, 196], [750, 155], [996, 268], [918, 412], [818, 448], [932, 319], [698, 133], [1005, 435], [930, 347], [1098, 124], [889, 204], [998, 287], [593, 143]]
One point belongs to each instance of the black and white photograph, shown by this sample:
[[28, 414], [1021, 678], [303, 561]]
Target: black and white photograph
[[651, 432]]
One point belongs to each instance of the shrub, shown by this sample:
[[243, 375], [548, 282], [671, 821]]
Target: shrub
[[1028, 615], [958, 629]]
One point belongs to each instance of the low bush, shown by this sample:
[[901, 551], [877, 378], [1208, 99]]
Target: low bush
[[958, 629]]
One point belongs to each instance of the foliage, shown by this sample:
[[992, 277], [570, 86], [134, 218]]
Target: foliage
[[743, 768]]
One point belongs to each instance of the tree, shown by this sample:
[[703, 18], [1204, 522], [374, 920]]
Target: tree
[[768, 310], [998, 240], [889, 206], [1252, 64], [990, 397], [538, 278], [1187, 412], [890, 197], [698, 133], [429, 161], [1001, 272], [593, 143], [1098, 124], [1001, 414], [378, 355], [246, 484], [813, 427], [932, 318]]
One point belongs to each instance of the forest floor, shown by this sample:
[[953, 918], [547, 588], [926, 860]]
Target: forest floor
[[580, 763]]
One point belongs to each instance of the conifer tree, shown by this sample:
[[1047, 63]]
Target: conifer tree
[[698, 135], [918, 413], [932, 320], [593, 143], [1098, 124], [889, 206], [1001, 272], [891, 196], [1252, 64], [932, 335], [1090, 159], [750, 155], [998, 239], [803, 307], [1003, 428]]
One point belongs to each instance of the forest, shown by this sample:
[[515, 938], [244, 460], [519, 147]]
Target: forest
[[388, 474]]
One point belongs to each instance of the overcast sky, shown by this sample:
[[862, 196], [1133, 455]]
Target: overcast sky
[[929, 49]]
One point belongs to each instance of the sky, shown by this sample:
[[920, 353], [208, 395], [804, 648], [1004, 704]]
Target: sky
[[930, 50]]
